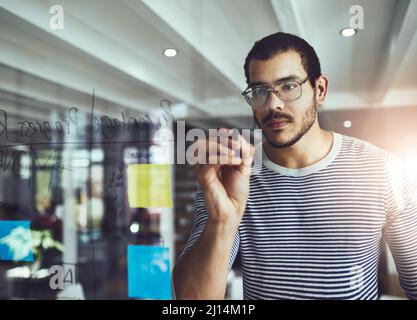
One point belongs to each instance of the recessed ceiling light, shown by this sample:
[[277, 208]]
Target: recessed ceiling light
[[347, 124], [348, 32], [134, 228], [170, 52]]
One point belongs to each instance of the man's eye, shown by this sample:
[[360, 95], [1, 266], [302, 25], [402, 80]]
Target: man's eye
[[288, 87], [260, 91]]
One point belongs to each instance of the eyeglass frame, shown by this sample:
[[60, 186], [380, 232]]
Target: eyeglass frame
[[300, 83]]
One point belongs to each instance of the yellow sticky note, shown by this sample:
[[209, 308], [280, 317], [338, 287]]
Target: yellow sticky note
[[149, 185]]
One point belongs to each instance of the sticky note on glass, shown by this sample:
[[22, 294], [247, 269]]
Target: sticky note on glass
[[148, 272], [149, 185], [16, 241]]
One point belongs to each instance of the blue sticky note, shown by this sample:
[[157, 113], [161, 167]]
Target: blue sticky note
[[148, 272], [16, 241]]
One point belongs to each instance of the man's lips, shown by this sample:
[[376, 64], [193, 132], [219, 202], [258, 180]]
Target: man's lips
[[277, 124]]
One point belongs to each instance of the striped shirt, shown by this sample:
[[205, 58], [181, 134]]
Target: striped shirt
[[317, 232]]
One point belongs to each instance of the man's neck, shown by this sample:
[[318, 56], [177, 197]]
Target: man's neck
[[311, 148]]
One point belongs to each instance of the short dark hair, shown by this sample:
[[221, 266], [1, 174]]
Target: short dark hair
[[280, 42]]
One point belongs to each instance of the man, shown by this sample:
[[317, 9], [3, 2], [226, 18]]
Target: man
[[310, 224]]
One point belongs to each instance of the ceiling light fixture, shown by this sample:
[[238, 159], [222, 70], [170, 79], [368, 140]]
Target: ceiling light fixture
[[134, 228], [348, 32], [347, 124], [170, 52]]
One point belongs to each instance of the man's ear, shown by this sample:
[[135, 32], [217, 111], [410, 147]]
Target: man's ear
[[321, 89]]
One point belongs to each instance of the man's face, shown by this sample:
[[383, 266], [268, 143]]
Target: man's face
[[283, 123]]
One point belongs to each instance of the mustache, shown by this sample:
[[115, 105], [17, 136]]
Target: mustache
[[274, 116]]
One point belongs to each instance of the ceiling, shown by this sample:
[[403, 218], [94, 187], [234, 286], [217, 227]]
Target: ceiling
[[115, 47]]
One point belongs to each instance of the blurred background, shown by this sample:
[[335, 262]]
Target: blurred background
[[68, 92]]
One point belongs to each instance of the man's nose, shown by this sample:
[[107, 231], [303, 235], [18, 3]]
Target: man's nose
[[273, 102]]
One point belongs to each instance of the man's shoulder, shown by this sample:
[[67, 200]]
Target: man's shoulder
[[362, 148]]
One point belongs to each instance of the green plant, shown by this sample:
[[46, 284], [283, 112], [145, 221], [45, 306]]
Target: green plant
[[43, 240]]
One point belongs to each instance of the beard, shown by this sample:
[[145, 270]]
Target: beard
[[309, 118]]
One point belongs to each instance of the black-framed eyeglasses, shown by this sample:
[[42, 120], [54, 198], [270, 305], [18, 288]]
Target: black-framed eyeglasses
[[286, 91]]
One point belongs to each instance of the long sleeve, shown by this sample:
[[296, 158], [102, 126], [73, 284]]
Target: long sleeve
[[400, 230]]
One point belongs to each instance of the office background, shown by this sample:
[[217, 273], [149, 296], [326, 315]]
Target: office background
[[63, 167]]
